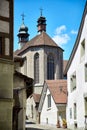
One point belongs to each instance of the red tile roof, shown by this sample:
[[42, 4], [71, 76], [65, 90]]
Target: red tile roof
[[39, 40], [59, 95], [36, 97]]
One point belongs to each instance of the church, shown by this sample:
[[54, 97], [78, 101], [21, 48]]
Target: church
[[43, 58]]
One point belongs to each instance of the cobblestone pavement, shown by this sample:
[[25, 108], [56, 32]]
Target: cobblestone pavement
[[42, 127]]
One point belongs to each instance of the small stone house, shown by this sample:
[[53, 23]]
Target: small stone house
[[22, 89]]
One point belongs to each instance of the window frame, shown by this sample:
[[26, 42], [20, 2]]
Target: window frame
[[2, 53], [49, 101], [82, 50], [73, 82], [75, 111], [85, 71]]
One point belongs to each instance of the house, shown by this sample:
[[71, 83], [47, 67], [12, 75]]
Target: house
[[52, 106], [32, 108], [33, 103], [22, 89], [6, 64], [76, 71]]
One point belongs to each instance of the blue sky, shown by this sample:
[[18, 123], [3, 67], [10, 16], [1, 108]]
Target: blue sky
[[63, 20]]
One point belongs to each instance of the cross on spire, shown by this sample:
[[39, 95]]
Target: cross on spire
[[41, 11], [23, 17]]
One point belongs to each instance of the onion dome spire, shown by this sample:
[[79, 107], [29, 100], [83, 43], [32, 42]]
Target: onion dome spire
[[23, 33]]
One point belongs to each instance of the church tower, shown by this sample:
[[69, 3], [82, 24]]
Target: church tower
[[23, 35], [44, 58], [41, 23]]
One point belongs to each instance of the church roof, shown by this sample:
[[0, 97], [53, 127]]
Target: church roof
[[39, 40]]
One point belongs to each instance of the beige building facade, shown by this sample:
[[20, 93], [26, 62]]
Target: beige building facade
[[6, 64], [22, 89]]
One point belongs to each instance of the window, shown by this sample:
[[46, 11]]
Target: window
[[50, 67], [25, 66], [82, 49], [36, 68], [73, 81], [86, 72], [32, 111], [70, 113], [49, 100], [75, 112]]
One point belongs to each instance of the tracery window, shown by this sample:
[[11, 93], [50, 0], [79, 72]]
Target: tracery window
[[36, 68], [50, 67]]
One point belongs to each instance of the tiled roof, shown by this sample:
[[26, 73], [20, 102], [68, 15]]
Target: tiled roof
[[39, 40], [59, 95], [36, 97]]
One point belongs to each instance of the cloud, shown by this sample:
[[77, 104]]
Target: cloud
[[61, 37], [60, 29], [74, 31]]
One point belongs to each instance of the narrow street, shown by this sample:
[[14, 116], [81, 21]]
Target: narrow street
[[41, 127]]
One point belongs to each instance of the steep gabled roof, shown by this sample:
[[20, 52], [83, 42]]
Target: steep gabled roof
[[77, 40], [40, 40], [58, 90]]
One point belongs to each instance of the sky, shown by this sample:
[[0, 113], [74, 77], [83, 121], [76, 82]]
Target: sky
[[63, 20]]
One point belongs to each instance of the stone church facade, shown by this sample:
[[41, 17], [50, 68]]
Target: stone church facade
[[43, 60], [43, 57]]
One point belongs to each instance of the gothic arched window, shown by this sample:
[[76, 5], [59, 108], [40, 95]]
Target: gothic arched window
[[36, 68], [50, 67]]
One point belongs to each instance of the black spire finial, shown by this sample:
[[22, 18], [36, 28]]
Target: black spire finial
[[23, 17], [41, 11]]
